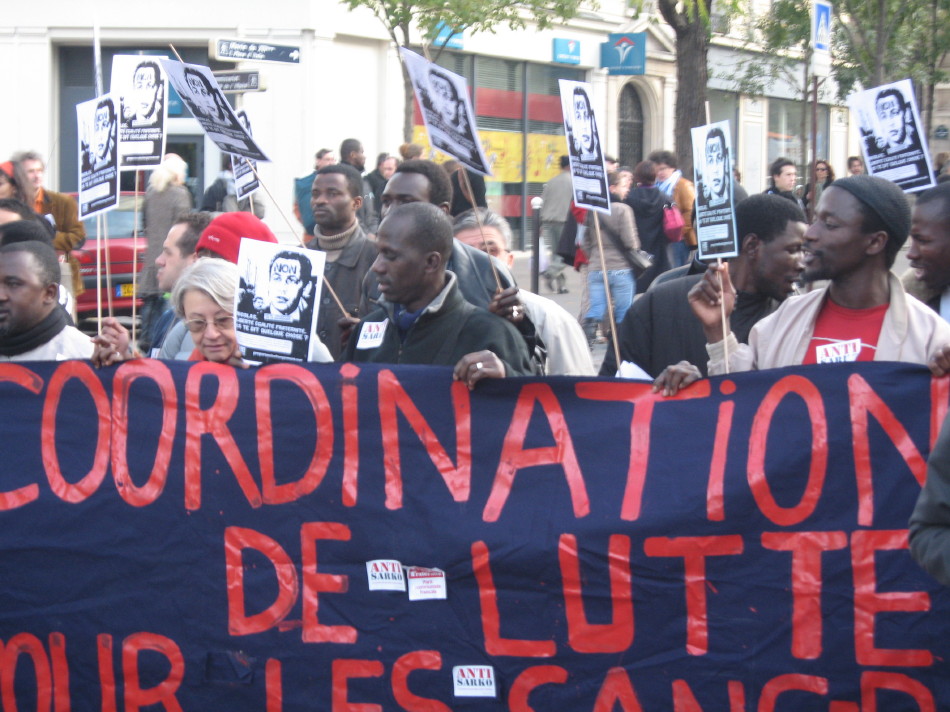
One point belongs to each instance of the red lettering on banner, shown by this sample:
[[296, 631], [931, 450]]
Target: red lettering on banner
[[57, 654], [106, 673], [694, 550], [864, 400], [315, 583], [515, 457], [685, 701], [343, 670], [528, 680], [491, 619], [393, 397], [806, 549], [273, 686], [20, 376], [642, 397], [758, 439], [585, 637], [25, 643], [309, 385], [125, 376], [406, 664], [67, 491], [715, 508], [874, 680], [213, 421], [349, 394], [164, 692], [236, 539], [868, 602], [784, 683], [617, 689], [939, 403]]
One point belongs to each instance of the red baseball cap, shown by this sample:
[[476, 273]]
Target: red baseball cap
[[223, 235]]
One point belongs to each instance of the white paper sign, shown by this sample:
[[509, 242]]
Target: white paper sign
[[139, 82], [385, 575], [588, 171], [715, 212], [446, 111], [474, 681], [425, 584], [98, 155]]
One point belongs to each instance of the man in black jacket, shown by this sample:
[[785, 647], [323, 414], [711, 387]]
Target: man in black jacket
[[660, 328], [421, 317]]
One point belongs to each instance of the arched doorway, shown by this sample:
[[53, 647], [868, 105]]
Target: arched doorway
[[631, 127]]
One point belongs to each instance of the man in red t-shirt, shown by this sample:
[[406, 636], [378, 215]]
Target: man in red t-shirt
[[862, 315]]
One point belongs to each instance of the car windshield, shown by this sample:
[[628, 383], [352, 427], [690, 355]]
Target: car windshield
[[117, 222]]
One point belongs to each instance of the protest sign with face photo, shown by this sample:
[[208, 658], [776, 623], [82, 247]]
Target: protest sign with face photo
[[245, 177], [893, 145], [200, 92], [715, 213], [276, 304], [98, 155], [140, 83], [588, 173], [446, 111]]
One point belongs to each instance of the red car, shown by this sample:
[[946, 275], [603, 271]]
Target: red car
[[117, 225]]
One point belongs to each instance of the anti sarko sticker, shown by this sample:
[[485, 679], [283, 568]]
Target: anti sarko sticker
[[473, 681], [425, 584], [385, 575]]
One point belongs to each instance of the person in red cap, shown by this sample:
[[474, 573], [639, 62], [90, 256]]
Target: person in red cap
[[220, 240]]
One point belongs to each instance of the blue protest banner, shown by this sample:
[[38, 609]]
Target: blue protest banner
[[195, 537]]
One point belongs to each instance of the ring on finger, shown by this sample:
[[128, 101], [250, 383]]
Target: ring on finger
[[479, 366]]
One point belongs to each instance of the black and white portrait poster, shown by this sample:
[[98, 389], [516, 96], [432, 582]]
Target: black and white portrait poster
[[715, 209], [98, 155], [139, 82], [588, 173], [200, 91], [893, 144], [446, 111], [277, 302], [245, 177]]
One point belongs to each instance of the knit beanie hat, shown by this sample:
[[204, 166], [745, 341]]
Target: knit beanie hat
[[885, 200], [223, 235]]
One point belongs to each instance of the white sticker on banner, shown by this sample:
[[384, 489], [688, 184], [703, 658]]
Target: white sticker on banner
[[372, 333], [385, 575], [425, 584], [473, 680]]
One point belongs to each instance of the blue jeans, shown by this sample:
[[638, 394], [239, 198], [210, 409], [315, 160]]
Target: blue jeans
[[622, 287]]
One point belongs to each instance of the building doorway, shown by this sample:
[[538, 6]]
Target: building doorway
[[630, 118]]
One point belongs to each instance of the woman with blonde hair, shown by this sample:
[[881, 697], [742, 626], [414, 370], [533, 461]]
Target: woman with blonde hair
[[166, 201]]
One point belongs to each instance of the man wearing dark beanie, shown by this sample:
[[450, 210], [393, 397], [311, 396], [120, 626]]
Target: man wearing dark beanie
[[862, 315]]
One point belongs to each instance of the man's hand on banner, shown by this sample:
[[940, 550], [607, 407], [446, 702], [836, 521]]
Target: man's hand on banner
[[675, 377], [473, 367], [940, 362]]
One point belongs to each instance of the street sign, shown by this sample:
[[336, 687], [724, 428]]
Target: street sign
[[237, 50], [236, 82], [821, 38]]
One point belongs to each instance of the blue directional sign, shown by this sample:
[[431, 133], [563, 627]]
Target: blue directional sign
[[624, 53]]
